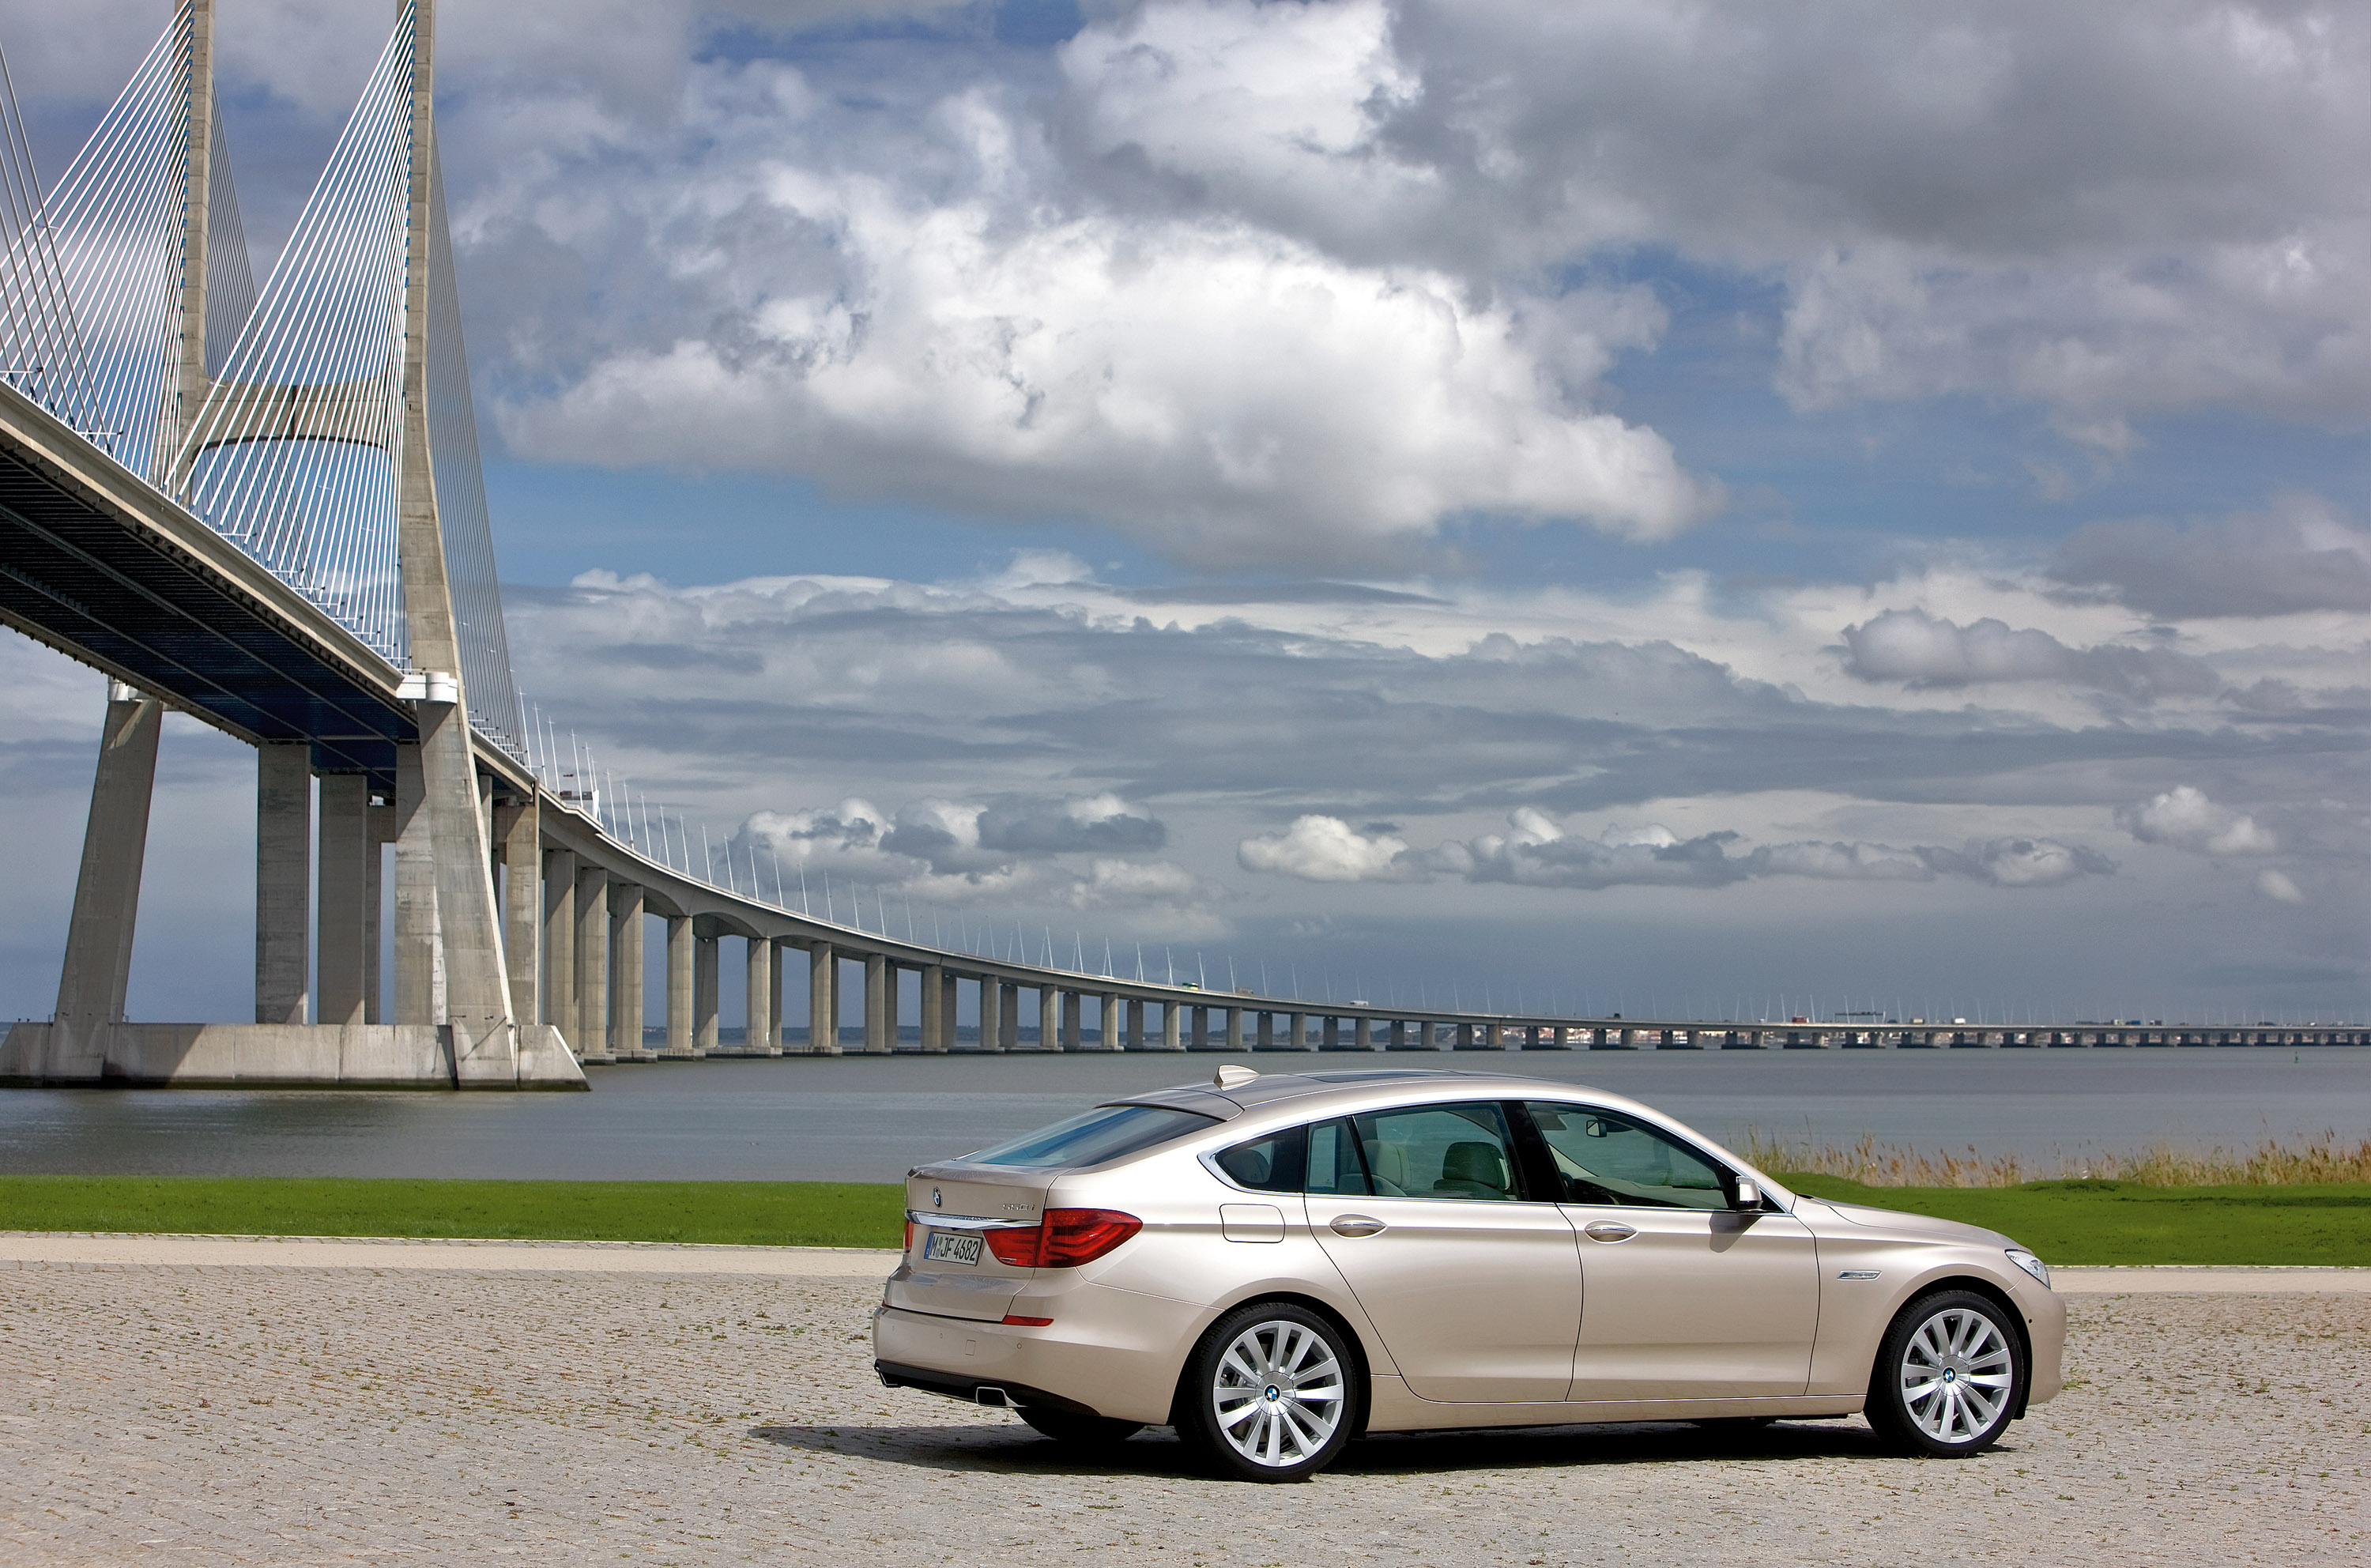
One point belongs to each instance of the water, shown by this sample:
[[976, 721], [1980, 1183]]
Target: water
[[867, 1119]]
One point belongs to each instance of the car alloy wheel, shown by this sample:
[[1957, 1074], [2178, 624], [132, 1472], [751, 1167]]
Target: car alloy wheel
[[1270, 1394], [1948, 1375]]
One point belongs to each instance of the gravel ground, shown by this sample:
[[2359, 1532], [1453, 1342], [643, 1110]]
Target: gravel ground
[[300, 1414]]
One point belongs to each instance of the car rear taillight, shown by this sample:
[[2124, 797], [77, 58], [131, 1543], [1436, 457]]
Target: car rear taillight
[[910, 1235], [1064, 1239]]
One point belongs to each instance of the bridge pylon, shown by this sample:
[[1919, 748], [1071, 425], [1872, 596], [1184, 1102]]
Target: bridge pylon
[[306, 424]]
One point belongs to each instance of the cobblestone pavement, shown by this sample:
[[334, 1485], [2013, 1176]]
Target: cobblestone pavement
[[204, 1414]]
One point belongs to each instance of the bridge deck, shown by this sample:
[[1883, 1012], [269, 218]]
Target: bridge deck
[[99, 565]]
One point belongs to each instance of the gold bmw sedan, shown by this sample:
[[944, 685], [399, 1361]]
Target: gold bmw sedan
[[1275, 1263]]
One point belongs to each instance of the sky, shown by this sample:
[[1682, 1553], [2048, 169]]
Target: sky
[[1595, 506]]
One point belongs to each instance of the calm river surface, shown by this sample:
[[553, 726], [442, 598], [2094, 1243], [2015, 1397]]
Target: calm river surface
[[867, 1119]]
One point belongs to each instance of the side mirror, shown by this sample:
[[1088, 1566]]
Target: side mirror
[[1748, 1198]]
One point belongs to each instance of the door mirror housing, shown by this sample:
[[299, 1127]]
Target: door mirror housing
[[1745, 1195]]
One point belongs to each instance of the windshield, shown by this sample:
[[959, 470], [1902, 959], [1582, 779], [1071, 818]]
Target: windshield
[[1105, 1133]]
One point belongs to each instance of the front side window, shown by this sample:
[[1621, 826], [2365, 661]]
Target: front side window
[[1439, 1151], [1105, 1133], [1607, 1159]]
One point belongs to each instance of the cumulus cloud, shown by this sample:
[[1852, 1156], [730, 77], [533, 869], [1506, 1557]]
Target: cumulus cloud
[[1323, 848], [1226, 395], [1156, 897], [2278, 887], [2297, 554], [1009, 280], [1538, 851], [865, 865], [2185, 818], [949, 837], [2020, 862], [1925, 652]]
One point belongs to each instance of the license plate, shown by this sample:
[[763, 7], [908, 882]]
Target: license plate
[[951, 1247]]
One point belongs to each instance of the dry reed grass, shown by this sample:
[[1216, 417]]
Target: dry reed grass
[[2317, 1161]]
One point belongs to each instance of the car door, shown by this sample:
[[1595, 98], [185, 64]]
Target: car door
[[1474, 1287], [1682, 1296]]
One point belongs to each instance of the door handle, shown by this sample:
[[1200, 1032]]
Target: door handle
[[1608, 1231], [1355, 1225]]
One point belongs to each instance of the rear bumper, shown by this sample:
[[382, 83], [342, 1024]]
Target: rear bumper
[[973, 1389], [1107, 1352]]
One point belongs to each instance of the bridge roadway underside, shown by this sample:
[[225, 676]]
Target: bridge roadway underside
[[101, 568]]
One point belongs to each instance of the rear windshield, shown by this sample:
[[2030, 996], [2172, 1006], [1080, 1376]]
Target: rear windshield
[[1105, 1133]]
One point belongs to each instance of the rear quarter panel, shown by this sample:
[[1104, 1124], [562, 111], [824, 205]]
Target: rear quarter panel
[[1184, 1253]]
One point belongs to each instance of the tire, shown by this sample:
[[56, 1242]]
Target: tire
[[1270, 1393], [1948, 1375], [1079, 1429]]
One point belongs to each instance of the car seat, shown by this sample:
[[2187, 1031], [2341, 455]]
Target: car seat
[[1474, 1170]]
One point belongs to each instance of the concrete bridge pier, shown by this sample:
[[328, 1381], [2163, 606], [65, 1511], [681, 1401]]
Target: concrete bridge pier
[[762, 1037], [991, 1015], [1071, 1033], [627, 907], [680, 966], [1234, 1029], [822, 1000], [1107, 1023], [933, 1030], [777, 955], [519, 834], [880, 1006], [592, 1036], [1173, 1026], [559, 945], [107, 891], [348, 857], [283, 883], [703, 991]]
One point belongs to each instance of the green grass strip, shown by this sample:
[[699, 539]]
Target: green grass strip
[[2066, 1222], [2122, 1222], [766, 1213]]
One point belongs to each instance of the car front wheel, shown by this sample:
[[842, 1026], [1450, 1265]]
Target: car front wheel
[[1948, 1377], [1268, 1393]]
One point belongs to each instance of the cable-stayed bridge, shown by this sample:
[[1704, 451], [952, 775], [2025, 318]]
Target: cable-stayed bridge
[[263, 506]]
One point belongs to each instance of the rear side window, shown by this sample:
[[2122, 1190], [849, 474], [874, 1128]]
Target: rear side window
[[1272, 1164], [1334, 1169], [1440, 1151], [1105, 1133], [1322, 1159]]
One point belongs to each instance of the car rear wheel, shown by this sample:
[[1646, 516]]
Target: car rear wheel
[[1948, 1377], [1079, 1428], [1270, 1393]]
